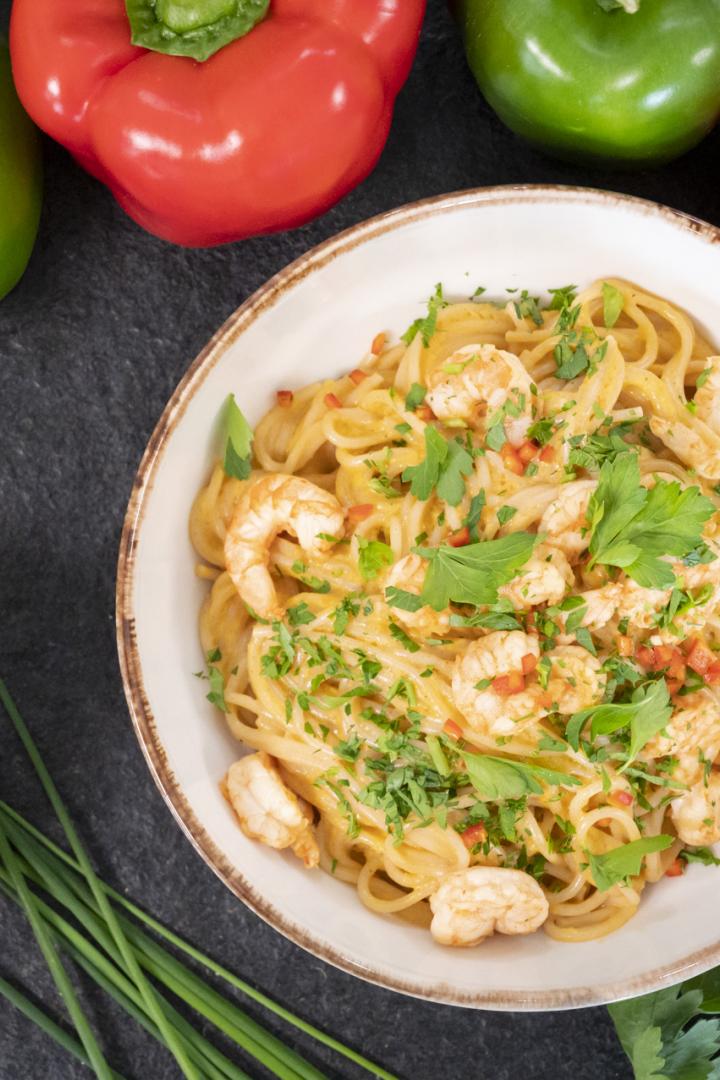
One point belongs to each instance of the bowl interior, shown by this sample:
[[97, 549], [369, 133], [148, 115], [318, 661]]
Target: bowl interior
[[315, 320]]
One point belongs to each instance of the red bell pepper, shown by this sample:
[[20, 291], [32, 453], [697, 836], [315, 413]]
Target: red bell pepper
[[268, 132]]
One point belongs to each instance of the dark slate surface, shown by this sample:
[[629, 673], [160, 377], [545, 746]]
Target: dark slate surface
[[91, 343]]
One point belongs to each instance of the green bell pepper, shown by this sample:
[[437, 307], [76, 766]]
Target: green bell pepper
[[598, 79], [20, 180]]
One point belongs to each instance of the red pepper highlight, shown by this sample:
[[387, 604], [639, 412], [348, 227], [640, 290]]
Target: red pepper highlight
[[267, 133]]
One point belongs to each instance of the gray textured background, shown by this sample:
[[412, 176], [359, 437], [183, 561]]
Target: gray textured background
[[91, 344]]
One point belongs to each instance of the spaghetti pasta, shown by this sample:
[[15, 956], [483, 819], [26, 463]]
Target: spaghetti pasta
[[462, 597]]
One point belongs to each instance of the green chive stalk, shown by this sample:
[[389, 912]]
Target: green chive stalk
[[46, 1023], [123, 955], [63, 817]]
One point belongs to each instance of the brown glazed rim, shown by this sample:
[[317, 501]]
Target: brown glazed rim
[[130, 662]]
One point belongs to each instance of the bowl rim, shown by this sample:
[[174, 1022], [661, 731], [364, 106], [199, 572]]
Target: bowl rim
[[141, 714]]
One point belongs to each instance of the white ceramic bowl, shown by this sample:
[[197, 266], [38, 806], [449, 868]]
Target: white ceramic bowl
[[314, 320]]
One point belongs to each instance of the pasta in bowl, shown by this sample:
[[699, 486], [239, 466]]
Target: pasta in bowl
[[464, 607], [357, 689]]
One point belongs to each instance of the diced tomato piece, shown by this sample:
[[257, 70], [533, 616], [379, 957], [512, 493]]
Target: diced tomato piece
[[625, 645], [527, 451], [332, 401], [700, 657], [529, 663], [511, 459], [545, 700], [377, 344], [621, 798], [357, 375], [460, 538], [675, 686], [675, 869], [360, 512], [474, 835], [547, 454], [603, 821], [424, 412], [285, 398], [712, 675], [505, 685], [452, 729]]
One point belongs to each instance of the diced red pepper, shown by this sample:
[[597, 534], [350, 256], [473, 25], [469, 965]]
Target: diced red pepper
[[511, 459], [700, 657], [474, 835], [677, 668], [621, 798], [506, 685], [460, 538], [357, 375], [676, 868], [332, 401], [547, 454], [712, 675], [529, 663], [645, 656], [424, 412], [360, 512], [378, 343], [661, 658], [285, 398], [662, 655], [527, 451], [625, 645], [452, 729]]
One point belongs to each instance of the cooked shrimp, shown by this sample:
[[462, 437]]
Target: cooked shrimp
[[696, 814], [565, 523], [707, 396], [575, 681], [687, 445], [488, 379], [489, 687], [473, 904], [695, 577], [621, 600], [269, 505], [268, 810], [543, 580], [408, 574], [692, 735]]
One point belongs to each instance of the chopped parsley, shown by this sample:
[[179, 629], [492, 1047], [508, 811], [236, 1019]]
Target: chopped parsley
[[238, 441], [613, 302], [426, 326], [374, 556]]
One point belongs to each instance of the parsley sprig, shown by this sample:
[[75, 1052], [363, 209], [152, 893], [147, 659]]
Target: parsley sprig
[[645, 714], [624, 862], [442, 469], [632, 528], [474, 573]]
